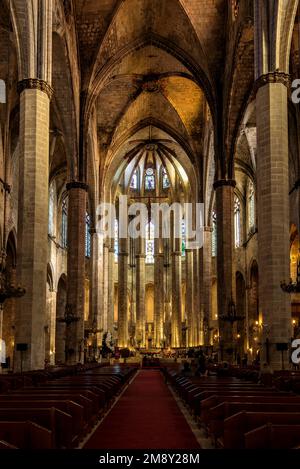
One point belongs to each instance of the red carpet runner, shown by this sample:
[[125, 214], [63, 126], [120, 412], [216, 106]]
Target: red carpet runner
[[146, 417]]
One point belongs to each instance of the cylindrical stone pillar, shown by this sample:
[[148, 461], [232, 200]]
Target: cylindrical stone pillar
[[225, 263], [176, 299], [123, 293], [32, 246], [140, 292], [273, 216], [77, 192], [189, 296]]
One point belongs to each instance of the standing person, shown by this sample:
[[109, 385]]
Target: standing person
[[201, 363]]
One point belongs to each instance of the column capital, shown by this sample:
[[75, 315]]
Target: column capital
[[77, 185], [208, 229], [272, 77], [224, 182], [140, 256], [35, 84]]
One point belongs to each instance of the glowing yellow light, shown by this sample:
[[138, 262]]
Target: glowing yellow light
[[238, 336], [294, 322], [257, 323]]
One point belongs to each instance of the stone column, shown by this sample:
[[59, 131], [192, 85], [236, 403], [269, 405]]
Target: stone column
[[158, 293], [206, 281], [176, 294], [97, 267], [122, 293], [110, 303], [32, 246], [273, 214], [225, 260], [189, 297], [196, 299], [52, 330], [140, 292], [76, 272], [105, 267]]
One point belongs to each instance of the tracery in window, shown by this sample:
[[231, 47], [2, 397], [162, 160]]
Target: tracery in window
[[149, 180]]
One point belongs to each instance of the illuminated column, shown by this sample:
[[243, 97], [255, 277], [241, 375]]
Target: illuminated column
[[196, 299], [76, 271], [205, 284], [140, 292], [225, 262], [110, 303], [176, 291], [32, 246], [189, 298], [122, 293], [158, 292], [273, 214]]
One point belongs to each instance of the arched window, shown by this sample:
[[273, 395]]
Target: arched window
[[251, 207], [64, 223], [183, 238], [165, 179], [134, 180], [51, 215], [149, 180], [116, 240], [237, 222], [149, 243], [87, 235], [214, 235]]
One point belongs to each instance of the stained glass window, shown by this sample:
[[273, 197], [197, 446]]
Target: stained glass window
[[214, 234], [116, 240], [52, 196], [165, 179], [64, 223], [149, 243], [134, 180], [251, 206], [149, 180], [87, 236], [237, 222]]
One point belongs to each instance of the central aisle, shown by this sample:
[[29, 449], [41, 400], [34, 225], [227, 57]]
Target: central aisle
[[146, 417]]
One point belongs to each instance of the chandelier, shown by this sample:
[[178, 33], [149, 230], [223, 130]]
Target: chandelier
[[231, 315], [69, 317], [7, 289]]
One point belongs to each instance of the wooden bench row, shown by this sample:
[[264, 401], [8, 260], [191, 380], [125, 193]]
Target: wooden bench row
[[240, 414], [60, 412]]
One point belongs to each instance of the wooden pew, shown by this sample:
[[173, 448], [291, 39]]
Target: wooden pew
[[25, 435], [207, 399], [237, 425], [218, 414], [83, 401], [273, 437], [55, 393], [55, 420], [216, 399], [79, 426]]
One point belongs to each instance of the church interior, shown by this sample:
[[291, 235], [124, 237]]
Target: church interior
[[155, 102]]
